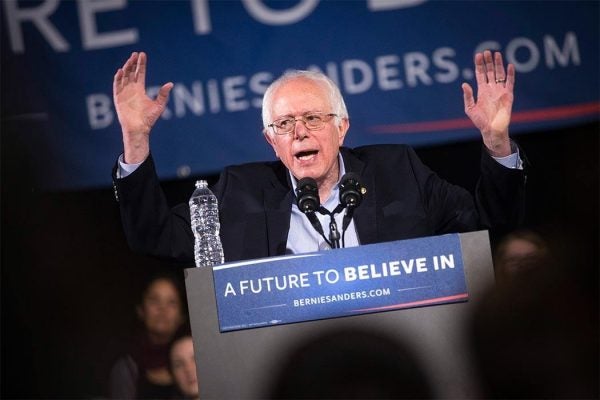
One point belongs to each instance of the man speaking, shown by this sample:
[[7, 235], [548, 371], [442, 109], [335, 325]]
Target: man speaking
[[305, 121]]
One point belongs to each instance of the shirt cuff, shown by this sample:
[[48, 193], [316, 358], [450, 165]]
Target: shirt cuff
[[124, 169], [513, 160]]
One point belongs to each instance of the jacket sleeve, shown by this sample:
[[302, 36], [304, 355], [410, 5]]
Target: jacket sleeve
[[449, 208], [498, 204], [500, 195], [150, 225]]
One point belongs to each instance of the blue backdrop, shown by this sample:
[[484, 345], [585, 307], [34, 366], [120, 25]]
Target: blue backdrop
[[399, 64]]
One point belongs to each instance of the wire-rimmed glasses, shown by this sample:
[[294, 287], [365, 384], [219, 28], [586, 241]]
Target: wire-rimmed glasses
[[312, 121]]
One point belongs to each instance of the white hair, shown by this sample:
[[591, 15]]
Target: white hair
[[335, 96]]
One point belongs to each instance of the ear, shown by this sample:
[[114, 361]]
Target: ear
[[343, 127], [271, 141]]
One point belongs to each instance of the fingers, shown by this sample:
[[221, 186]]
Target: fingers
[[480, 74], [129, 69], [499, 74], [133, 71], [489, 66], [140, 69], [468, 96], [118, 81], [490, 69], [163, 94], [510, 77]]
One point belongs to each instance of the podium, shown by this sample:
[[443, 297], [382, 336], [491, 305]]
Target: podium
[[243, 363]]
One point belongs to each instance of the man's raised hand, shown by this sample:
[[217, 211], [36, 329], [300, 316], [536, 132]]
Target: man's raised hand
[[136, 111], [491, 113]]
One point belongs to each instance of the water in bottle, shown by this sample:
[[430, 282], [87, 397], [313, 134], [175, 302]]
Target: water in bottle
[[204, 213]]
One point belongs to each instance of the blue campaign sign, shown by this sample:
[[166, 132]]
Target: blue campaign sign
[[341, 282], [399, 64]]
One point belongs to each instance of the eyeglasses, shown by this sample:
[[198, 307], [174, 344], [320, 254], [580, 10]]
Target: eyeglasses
[[312, 121]]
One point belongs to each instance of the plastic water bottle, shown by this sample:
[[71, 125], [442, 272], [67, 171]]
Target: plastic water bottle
[[204, 213]]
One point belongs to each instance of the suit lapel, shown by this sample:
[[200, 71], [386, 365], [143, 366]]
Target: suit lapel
[[278, 208], [365, 217]]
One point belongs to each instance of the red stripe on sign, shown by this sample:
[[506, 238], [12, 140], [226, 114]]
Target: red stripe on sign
[[439, 300], [543, 114]]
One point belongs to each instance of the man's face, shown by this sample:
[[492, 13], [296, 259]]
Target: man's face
[[307, 153]]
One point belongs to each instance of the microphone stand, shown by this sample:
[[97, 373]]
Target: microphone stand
[[351, 194], [307, 196], [334, 233], [307, 199], [346, 222], [314, 220]]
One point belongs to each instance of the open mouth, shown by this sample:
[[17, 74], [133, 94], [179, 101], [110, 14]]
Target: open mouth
[[306, 155]]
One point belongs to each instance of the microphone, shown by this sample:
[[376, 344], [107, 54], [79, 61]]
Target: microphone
[[351, 190], [351, 195], [307, 195], [308, 201]]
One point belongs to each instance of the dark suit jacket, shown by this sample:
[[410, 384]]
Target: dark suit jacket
[[404, 199]]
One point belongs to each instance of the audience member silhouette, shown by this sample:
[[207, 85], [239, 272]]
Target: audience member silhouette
[[535, 334], [351, 364], [143, 372], [183, 366], [519, 253]]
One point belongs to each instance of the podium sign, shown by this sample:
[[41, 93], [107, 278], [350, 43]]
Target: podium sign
[[341, 282]]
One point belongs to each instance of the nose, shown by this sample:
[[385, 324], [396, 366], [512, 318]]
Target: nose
[[190, 369], [300, 130]]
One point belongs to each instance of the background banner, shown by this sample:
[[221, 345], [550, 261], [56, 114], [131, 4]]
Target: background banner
[[399, 64]]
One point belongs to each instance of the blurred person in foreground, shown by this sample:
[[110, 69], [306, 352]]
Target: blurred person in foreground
[[305, 121], [350, 363], [520, 253], [535, 334], [143, 373]]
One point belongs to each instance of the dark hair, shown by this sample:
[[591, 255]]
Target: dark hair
[[524, 234], [184, 331], [175, 280], [351, 363]]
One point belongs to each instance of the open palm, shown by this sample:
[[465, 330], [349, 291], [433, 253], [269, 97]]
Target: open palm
[[136, 111], [492, 111]]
